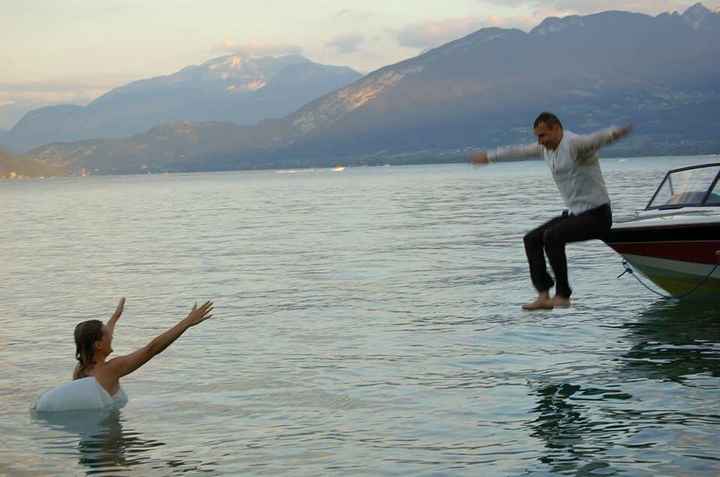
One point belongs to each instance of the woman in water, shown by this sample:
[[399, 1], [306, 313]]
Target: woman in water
[[96, 380]]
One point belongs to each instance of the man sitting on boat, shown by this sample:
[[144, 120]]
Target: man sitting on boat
[[575, 167]]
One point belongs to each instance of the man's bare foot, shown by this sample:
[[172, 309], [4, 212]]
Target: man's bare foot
[[561, 302], [542, 302]]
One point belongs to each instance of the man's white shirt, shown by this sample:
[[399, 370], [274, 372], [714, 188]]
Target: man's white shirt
[[575, 167]]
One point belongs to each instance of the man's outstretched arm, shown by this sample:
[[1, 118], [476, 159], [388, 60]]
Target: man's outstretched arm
[[586, 145], [503, 153]]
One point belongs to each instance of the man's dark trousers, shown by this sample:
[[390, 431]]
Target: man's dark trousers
[[550, 238]]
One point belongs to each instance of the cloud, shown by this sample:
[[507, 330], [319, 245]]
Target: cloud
[[437, 32], [41, 94], [59, 88], [347, 43], [538, 10], [351, 15], [427, 35], [545, 8], [641, 6], [434, 33], [256, 48], [16, 99], [11, 113]]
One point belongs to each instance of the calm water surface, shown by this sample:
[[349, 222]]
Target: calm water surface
[[368, 322]]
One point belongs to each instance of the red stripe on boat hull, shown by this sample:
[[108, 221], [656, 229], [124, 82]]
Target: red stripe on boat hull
[[695, 252]]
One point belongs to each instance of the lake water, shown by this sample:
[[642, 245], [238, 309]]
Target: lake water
[[367, 322]]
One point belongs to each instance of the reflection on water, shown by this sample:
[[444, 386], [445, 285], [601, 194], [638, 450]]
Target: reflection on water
[[675, 340], [592, 429], [576, 438], [104, 444]]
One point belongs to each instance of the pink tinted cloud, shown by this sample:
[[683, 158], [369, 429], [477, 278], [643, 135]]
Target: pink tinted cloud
[[52, 92], [17, 99], [347, 43], [561, 8], [545, 8], [652, 7], [256, 48], [433, 33]]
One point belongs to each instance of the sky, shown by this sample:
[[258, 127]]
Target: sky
[[72, 51]]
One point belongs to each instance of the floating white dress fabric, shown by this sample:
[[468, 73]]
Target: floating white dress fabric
[[79, 395]]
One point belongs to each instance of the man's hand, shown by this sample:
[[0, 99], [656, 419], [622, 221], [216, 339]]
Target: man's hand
[[480, 159], [620, 133]]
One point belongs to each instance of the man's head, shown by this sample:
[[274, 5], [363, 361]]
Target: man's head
[[549, 130]]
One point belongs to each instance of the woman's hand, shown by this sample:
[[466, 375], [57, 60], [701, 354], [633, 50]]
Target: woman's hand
[[119, 309], [115, 317], [198, 315]]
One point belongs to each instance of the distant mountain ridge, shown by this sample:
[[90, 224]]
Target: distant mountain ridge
[[498, 78], [236, 88], [480, 91]]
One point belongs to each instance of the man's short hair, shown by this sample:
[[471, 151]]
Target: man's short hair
[[549, 119]]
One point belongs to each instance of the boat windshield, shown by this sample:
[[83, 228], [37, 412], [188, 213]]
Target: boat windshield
[[688, 187], [714, 197]]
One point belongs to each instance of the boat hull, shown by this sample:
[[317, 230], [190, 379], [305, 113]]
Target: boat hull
[[678, 257], [677, 277]]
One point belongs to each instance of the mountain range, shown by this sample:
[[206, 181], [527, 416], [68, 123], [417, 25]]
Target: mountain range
[[483, 90], [235, 88]]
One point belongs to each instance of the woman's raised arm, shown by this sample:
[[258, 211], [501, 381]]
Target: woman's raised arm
[[116, 316], [124, 365]]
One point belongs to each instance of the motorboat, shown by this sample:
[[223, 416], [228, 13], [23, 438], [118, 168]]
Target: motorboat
[[675, 240]]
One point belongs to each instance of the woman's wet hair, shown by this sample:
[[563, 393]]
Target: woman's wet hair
[[87, 334]]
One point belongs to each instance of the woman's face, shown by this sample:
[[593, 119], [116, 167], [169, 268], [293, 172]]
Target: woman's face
[[105, 344]]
